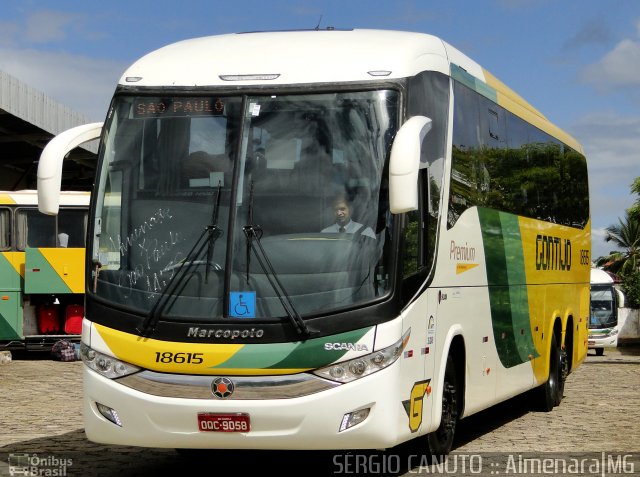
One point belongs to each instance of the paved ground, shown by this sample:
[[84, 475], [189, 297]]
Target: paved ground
[[41, 420]]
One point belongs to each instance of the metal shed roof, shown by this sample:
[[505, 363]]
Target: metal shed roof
[[28, 120]]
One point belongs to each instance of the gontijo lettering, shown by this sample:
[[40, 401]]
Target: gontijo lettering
[[553, 253]]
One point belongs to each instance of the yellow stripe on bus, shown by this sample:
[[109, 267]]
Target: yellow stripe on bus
[[6, 199], [16, 259], [513, 102], [160, 355], [181, 357], [557, 272], [68, 264]]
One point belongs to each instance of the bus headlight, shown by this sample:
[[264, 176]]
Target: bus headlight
[[107, 366], [357, 368]]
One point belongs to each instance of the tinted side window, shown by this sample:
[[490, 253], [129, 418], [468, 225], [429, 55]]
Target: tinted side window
[[73, 224], [5, 229], [35, 229], [467, 163], [428, 95], [512, 166]]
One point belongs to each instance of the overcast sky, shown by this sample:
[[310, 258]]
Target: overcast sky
[[578, 61]]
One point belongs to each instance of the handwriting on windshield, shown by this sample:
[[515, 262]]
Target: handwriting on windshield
[[151, 251], [158, 217]]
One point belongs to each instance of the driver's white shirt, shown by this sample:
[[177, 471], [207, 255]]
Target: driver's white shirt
[[351, 228]]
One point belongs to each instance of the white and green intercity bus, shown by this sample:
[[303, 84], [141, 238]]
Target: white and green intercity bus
[[336, 239]]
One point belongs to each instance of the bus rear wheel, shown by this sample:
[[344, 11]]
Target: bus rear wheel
[[440, 441]]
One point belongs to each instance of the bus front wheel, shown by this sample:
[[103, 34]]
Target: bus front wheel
[[440, 441]]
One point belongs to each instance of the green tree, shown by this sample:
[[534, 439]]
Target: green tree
[[634, 210], [626, 236], [631, 289], [626, 263]]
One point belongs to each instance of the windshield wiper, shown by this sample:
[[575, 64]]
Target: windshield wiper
[[212, 232], [254, 234]]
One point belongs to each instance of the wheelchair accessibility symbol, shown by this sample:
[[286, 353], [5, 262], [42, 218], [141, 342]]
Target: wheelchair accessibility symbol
[[242, 304]]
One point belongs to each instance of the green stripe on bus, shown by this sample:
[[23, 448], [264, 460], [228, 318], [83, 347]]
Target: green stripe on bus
[[45, 279], [301, 355], [11, 316], [470, 81], [517, 280], [313, 354], [8, 327], [10, 279], [507, 286]]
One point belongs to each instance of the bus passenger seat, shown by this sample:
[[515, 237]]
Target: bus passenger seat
[[197, 169]]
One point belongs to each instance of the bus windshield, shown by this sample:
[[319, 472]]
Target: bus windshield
[[232, 206], [603, 307]]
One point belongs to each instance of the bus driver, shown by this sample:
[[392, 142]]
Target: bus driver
[[344, 224]]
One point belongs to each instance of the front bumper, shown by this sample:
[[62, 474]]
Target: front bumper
[[310, 421]]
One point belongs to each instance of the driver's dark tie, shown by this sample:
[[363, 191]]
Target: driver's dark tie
[[341, 230]]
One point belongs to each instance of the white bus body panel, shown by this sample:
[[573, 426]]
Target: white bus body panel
[[462, 307], [303, 57], [307, 422]]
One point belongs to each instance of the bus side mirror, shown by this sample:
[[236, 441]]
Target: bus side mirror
[[50, 165], [404, 164]]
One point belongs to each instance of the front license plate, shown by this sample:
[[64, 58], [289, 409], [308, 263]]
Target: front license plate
[[591, 342], [215, 422]]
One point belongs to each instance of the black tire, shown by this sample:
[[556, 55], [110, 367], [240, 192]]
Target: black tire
[[599, 351], [440, 442], [563, 366], [551, 393]]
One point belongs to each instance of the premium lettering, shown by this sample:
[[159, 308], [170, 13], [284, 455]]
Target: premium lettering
[[462, 252]]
